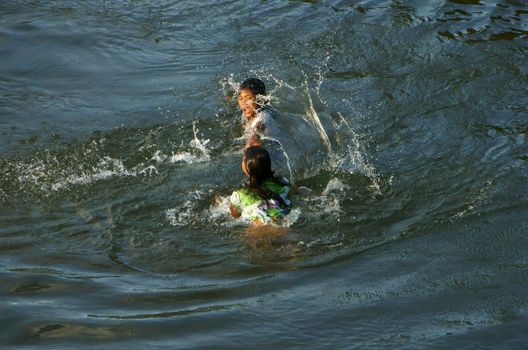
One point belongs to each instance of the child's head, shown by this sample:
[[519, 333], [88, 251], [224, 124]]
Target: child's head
[[256, 163], [256, 86], [250, 90]]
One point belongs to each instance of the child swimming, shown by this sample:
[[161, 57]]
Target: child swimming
[[261, 127], [264, 198], [294, 139], [259, 115]]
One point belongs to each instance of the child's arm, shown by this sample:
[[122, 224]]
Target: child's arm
[[253, 140]]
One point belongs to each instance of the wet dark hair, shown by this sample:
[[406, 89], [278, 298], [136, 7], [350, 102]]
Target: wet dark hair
[[255, 85], [258, 164]]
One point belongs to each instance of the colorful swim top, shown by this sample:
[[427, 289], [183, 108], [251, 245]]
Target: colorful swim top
[[254, 208]]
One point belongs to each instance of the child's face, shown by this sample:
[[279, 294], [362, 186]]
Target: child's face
[[248, 103]]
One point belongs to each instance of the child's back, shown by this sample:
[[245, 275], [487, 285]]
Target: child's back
[[264, 199]]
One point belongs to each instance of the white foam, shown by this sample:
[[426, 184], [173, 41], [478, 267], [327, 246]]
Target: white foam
[[159, 157], [33, 173], [334, 185], [219, 210], [181, 215], [292, 217], [185, 157], [151, 169], [49, 174], [44, 175], [220, 214], [107, 167]]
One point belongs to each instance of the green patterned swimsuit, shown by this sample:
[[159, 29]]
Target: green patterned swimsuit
[[253, 208]]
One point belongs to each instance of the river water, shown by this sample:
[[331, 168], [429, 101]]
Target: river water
[[119, 145]]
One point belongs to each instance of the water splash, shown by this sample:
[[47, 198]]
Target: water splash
[[106, 168], [187, 157], [292, 217], [334, 185], [321, 77], [200, 145], [181, 215], [279, 83], [42, 174], [288, 162], [325, 207], [347, 155], [353, 160], [311, 112], [229, 85], [184, 213], [219, 210]]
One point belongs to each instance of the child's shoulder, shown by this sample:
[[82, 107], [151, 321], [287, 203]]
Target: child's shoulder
[[267, 111]]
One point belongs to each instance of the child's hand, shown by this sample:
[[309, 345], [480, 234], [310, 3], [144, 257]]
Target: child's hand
[[234, 211], [253, 140]]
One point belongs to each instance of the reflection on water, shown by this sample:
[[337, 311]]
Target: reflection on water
[[118, 149]]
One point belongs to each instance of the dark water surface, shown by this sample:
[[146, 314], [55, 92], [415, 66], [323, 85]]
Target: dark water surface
[[118, 150]]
